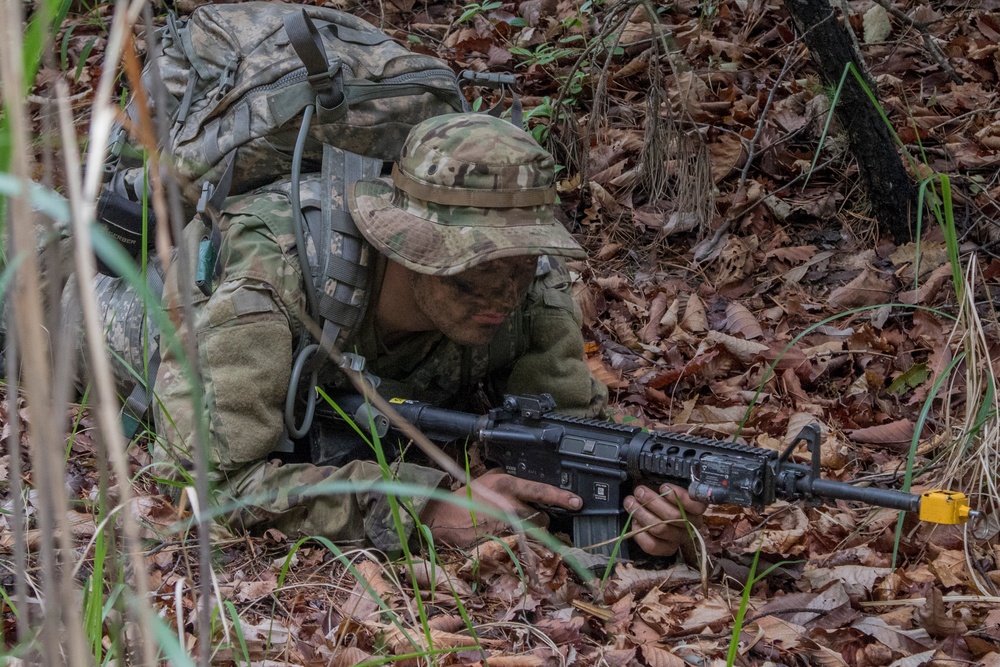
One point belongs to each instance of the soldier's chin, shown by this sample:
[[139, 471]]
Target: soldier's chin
[[473, 334]]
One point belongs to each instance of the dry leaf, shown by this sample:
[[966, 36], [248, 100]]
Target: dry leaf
[[657, 309], [949, 566], [488, 555], [905, 641], [631, 580], [779, 632], [399, 642], [602, 373], [726, 155], [344, 656], [739, 320], [868, 289], [935, 619], [926, 293], [792, 255], [660, 657], [695, 319], [897, 434], [429, 576], [520, 660], [669, 320], [744, 350], [711, 613], [783, 534], [856, 579]]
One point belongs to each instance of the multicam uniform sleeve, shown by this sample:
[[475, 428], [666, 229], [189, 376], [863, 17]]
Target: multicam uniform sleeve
[[245, 334], [553, 361], [292, 498]]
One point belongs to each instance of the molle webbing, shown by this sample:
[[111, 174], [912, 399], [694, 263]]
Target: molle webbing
[[341, 262]]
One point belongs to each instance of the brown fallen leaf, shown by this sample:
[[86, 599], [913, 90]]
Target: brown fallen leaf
[[927, 291], [727, 154], [780, 633], [631, 580], [429, 576], [739, 320], [672, 375], [657, 309], [933, 617], [344, 656], [519, 660], [783, 534], [660, 657], [669, 320], [908, 642], [744, 350], [868, 289], [897, 435], [949, 566], [602, 373], [856, 579], [488, 555], [695, 319]]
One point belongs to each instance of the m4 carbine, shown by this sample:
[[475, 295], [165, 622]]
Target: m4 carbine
[[602, 461]]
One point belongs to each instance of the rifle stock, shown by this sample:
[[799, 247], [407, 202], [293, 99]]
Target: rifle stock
[[602, 462]]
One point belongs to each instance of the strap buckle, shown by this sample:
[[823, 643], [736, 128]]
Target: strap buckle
[[352, 362], [228, 79], [207, 190]]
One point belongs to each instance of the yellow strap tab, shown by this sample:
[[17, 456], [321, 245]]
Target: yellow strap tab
[[947, 507]]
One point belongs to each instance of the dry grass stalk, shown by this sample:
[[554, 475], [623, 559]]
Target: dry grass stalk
[[62, 640], [975, 453]]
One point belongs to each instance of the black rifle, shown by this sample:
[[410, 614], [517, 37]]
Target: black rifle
[[601, 462]]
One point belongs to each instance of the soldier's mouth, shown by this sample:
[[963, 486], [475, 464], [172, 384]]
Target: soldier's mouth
[[489, 317]]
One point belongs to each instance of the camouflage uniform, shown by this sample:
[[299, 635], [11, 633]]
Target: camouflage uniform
[[247, 329]]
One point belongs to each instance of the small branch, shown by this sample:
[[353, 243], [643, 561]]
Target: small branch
[[924, 29], [752, 149]]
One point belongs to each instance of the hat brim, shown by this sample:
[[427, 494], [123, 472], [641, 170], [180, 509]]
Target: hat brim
[[429, 246]]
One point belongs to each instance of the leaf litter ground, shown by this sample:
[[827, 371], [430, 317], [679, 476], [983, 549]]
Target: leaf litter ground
[[686, 315]]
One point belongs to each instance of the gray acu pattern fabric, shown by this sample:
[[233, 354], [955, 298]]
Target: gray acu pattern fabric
[[129, 335], [234, 81]]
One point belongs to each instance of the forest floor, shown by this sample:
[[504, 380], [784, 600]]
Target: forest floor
[[742, 292]]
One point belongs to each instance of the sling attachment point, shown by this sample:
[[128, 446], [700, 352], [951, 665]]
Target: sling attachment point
[[501, 81], [326, 79]]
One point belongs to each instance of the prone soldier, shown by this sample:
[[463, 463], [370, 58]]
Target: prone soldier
[[457, 286]]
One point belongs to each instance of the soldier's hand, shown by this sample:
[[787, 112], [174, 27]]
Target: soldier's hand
[[664, 517], [452, 524]]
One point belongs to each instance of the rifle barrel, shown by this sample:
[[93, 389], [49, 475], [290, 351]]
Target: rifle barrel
[[824, 488]]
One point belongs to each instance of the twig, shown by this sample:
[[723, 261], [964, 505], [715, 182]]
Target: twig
[[923, 29], [752, 150]]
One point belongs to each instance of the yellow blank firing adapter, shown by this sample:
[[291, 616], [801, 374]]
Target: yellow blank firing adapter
[[949, 507]]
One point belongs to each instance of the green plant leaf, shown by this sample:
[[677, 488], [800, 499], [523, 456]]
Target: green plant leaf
[[911, 378]]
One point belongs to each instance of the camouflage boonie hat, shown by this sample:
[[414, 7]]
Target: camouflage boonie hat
[[468, 188]]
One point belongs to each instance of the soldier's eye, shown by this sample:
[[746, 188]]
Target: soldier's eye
[[462, 285]]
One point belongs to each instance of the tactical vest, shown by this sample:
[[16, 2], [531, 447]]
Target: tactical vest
[[339, 274]]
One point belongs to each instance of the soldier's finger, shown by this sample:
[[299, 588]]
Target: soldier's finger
[[654, 546], [690, 505], [660, 527], [543, 494], [664, 507]]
